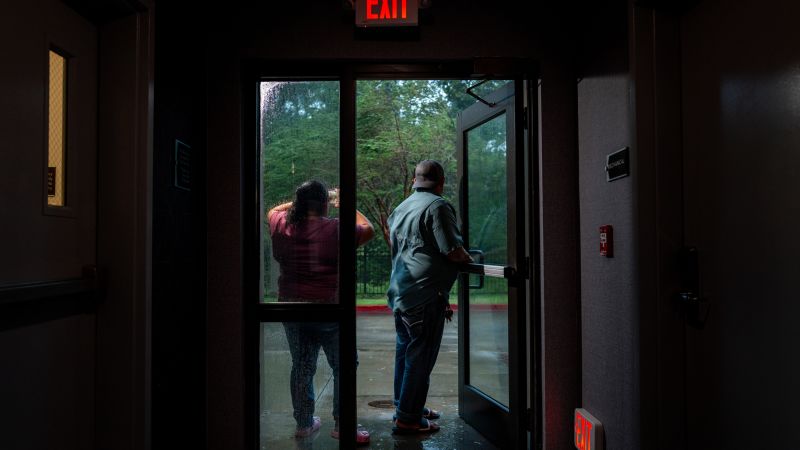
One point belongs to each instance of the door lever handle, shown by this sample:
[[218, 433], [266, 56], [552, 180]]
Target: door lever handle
[[688, 298], [694, 304]]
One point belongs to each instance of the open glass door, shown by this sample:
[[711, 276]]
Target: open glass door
[[492, 381]]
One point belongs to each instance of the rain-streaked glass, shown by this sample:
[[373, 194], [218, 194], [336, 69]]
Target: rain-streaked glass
[[299, 143], [296, 376], [488, 212]]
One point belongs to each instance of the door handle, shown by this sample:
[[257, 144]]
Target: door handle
[[688, 298], [480, 256], [693, 303], [489, 270]]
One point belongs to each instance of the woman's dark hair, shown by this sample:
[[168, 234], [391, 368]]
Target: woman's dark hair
[[309, 196]]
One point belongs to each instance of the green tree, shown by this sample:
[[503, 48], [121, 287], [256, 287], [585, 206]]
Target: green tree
[[400, 123], [300, 137]]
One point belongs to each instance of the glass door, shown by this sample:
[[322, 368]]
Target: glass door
[[490, 294]]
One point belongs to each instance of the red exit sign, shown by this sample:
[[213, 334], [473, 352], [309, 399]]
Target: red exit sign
[[387, 13], [588, 431]]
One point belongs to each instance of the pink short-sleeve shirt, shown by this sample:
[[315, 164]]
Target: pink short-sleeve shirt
[[308, 254]]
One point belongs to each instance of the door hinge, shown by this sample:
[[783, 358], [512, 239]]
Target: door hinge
[[525, 117], [526, 268]]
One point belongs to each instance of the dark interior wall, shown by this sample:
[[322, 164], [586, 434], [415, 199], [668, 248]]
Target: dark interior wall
[[124, 233], [47, 385], [323, 30], [226, 416], [179, 224], [741, 106], [656, 101], [609, 299], [320, 29], [559, 278]]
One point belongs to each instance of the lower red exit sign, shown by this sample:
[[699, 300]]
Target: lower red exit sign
[[588, 431]]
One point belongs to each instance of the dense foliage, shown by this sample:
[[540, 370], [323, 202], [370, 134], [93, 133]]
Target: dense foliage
[[398, 124]]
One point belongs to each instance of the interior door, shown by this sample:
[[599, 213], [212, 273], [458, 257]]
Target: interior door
[[49, 119], [491, 292], [48, 130], [740, 186]]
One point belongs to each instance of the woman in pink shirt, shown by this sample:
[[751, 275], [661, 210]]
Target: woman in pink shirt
[[305, 242]]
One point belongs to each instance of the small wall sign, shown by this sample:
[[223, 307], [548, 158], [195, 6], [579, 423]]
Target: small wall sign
[[618, 165], [588, 431], [183, 166], [387, 13]]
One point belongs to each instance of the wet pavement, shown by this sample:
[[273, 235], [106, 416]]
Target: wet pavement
[[375, 342]]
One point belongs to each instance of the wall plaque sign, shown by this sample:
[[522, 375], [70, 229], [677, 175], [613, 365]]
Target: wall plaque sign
[[618, 165]]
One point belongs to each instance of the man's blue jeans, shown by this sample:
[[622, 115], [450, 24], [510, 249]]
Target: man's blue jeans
[[305, 340], [419, 336]]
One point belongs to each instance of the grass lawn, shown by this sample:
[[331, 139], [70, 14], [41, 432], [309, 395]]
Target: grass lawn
[[475, 299]]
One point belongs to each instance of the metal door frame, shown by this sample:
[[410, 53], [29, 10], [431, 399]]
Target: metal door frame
[[253, 71]]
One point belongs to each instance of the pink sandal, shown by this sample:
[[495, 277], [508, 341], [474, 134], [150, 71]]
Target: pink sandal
[[309, 430], [362, 436]]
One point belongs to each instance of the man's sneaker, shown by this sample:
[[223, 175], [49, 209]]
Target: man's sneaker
[[308, 431]]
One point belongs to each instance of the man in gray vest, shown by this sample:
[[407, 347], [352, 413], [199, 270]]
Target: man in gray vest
[[426, 250]]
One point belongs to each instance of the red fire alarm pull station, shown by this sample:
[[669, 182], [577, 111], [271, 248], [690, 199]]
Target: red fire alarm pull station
[[606, 241], [588, 431]]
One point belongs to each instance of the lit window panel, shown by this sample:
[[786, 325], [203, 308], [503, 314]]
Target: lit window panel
[[56, 160]]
